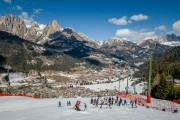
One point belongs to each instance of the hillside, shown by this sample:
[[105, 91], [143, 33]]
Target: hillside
[[22, 55], [170, 61]]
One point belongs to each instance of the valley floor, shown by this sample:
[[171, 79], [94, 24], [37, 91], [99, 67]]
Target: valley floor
[[22, 108]]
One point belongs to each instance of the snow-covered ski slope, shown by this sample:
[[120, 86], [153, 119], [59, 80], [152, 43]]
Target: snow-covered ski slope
[[115, 85], [23, 108]]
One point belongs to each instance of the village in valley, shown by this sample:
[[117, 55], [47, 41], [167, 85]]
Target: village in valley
[[78, 82]]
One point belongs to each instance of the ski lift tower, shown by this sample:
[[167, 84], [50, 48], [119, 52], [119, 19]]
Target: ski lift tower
[[150, 74], [119, 87], [127, 87]]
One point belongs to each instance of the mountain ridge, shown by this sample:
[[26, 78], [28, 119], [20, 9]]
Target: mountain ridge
[[78, 45], [39, 33]]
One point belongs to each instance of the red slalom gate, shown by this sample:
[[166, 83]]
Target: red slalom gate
[[22, 95]]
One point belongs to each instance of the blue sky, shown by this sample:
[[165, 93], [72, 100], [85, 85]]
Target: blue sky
[[102, 19]]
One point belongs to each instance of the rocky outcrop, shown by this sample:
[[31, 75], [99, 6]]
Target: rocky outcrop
[[173, 37], [115, 44], [32, 32], [37, 34], [17, 26], [50, 28], [14, 25]]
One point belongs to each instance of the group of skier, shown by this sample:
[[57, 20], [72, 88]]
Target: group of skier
[[111, 101], [76, 107], [100, 101], [133, 103], [78, 104], [68, 103]]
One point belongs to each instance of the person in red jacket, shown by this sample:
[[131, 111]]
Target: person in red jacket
[[77, 105]]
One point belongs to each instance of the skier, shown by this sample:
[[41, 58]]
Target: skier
[[77, 105], [112, 100], [110, 105], [102, 103], [91, 100], [67, 103], [120, 102], [109, 101], [125, 102], [135, 102], [85, 106], [94, 103], [117, 98], [116, 101], [97, 102], [59, 104], [132, 103]]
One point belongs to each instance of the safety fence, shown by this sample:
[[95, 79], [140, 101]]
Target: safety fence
[[23, 95], [158, 104], [176, 101]]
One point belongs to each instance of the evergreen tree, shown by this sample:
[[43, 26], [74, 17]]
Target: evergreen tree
[[177, 92], [162, 88], [2, 60], [171, 94]]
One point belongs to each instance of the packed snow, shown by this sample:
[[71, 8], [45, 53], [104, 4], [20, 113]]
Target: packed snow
[[138, 64], [115, 85], [14, 77], [22, 108]]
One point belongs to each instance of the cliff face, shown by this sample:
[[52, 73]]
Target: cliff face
[[13, 25], [50, 28], [17, 26]]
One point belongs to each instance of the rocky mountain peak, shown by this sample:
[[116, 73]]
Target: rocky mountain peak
[[14, 25], [35, 25], [172, 37], [50, 28], [113, 41], [55, 24]]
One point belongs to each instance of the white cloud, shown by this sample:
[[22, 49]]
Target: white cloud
[[37, 11], [27, 19], [134, 35], [18, 7], [161, 28], [176, 27], [120, 21], [139, 17], [7, 1], [124, 20]]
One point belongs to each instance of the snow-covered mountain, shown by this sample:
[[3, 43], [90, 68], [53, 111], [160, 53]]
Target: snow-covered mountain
[[39, 33], [36, 32], [169, 40], [78, 45]]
